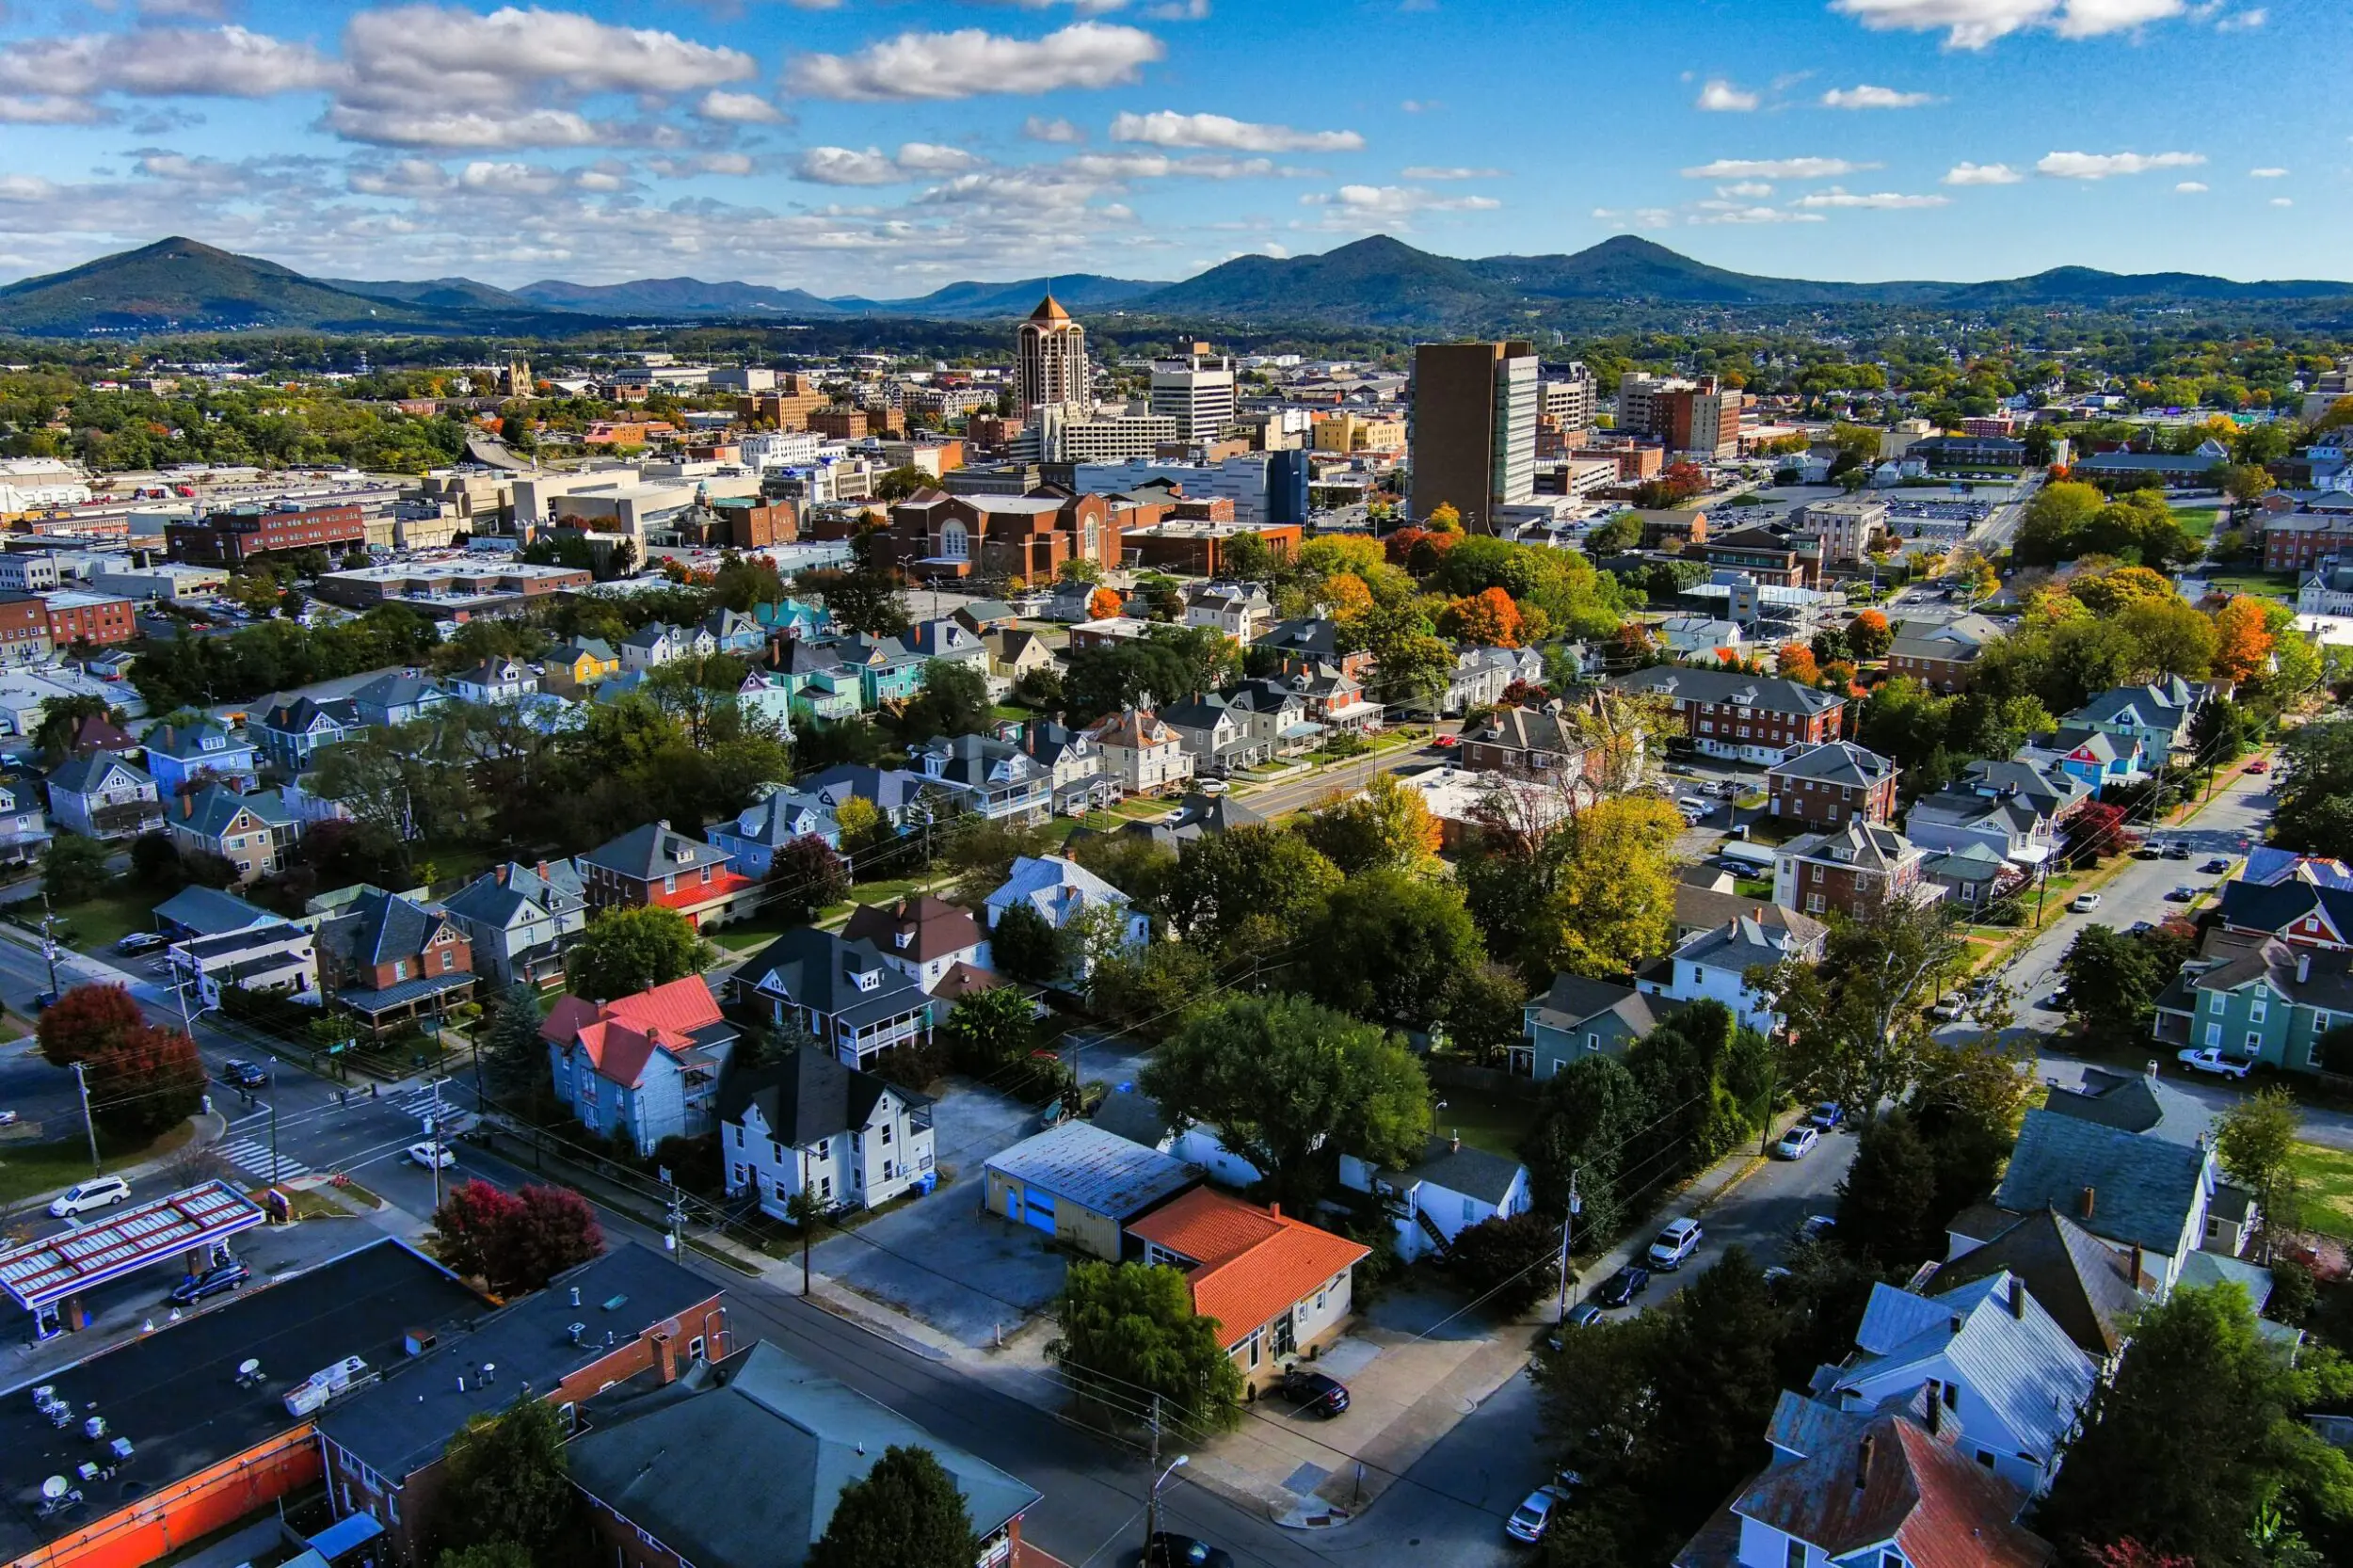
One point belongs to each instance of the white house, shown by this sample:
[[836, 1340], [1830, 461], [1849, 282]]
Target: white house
[[1452, 1189], [849, 1137], [495, 680], [924, 938], [1713, 966], [1061, 890]]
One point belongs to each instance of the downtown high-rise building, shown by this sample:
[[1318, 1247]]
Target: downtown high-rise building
[[1197, 392], [1473, 445], [1050, 367]]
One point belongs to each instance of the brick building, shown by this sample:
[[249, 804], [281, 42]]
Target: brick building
[[842, 425], [1197, 547], [1730, 714], [1833, 785], [653, 865], [388, 960], [23, 629], [935, 533], [1850, 871], [781, 409], [2297, 542], [237, 536], [98, 620], [1533, 743]]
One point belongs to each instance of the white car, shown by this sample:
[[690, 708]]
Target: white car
[[432, 1155], [1210, 786], [1949, 1007], [1796, 1143], [2084, 904], [1676, 1242], [2213, 1061], [1528, 1520], [83, 1196]]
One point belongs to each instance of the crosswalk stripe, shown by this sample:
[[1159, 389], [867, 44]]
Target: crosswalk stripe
[[254, 1158]]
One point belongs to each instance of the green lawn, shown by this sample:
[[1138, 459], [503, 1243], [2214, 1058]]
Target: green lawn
[[2327, 1177], [1486, 1120], [96, 924], [2198, 522], [28, 1169], [2262, 584]]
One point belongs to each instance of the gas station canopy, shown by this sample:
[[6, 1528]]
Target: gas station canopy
[[39, 1275]]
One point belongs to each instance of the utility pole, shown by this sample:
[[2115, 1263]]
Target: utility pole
[[1560, 1314], [48, 941], [81, 1081], [273, 1138], [1152, 1498]]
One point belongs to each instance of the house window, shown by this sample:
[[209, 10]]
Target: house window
[[400, 969], [824, 1187], [2214, 1002], [1794, 1555], [2255, 1011], [2254, 1042], [1255, 1335], [2213, 1034]]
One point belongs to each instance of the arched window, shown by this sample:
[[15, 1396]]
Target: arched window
[[953, 545], [1094, 551]]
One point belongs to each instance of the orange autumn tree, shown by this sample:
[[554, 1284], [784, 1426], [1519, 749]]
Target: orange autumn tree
[[1346, 596], [2243, 639], [1103, 604], [1868, 635], [1797, 663], [1487, 620]]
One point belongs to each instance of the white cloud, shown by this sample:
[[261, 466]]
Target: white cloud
[[1426, 171], [2266, 174], [2241, 21], [42, 108], [1167, 128], [1396, 202], [1640, 218], [1745, 190], [1039, 128], [1975, 23], [2101, 165], [1886, 201], [2281, 201], [220, 62], [2192, 187], [969, 62], [1721, 97], [844, 165], [25, 187], [1179, 10], [1775, 168], [426, 126], [1159, 165], [1730, 211], [925, 157], [1084, 7], [1866, 96], [738, 108], [1982, 174]]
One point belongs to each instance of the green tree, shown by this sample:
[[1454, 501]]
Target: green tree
[[954, 701], [1291, 1085], [1858, 1021], [1386, 825], [1129, 1332], [1025, 945], [513, 1052], [483, 1554], [1887, 1197], [627, 951], [1252, 888], [1589, 1119], [2113, 980], [899, 483], [503, 1479], [2314, 783], [1613, 893], [2256, 1138], [1508, 1262], [73, 868], [905, 1512], [991, 1028], [1394, 949], [60, 717]]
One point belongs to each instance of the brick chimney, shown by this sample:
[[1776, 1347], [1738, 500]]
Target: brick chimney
[[2139, 1262], [2089, 1201], [665, 1357], [1936, 1407], [1863, 1462], [2017, 1298]]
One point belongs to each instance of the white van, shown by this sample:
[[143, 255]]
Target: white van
[[83, 1196]]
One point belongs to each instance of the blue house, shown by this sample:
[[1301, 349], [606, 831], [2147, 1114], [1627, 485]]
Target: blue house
[[644, 1067], [887, 669], [178, 756], [398, 699], [794, 618], [2099, 757], [767, 826]]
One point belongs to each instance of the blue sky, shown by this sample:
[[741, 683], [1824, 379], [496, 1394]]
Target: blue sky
[[885, 146]]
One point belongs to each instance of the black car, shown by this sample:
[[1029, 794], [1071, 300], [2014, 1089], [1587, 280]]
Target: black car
[[44, 1001], [1621, 1289], [1325, 1396], [212, 1282], [2216, 866], [239, 1073], [1169, 1550]]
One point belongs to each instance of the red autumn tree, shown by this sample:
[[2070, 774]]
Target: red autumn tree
[[467, 1226], [1487, 620], [1103, 604], [807, 876], [2095, 830], [141, 1077], [2129, 1553], [1398, 544], [1867, 635], [1525, 693], [514, 1241]]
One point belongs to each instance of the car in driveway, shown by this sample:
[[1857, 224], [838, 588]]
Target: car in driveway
[[1316, 1391], [2212, 1060], [240, 1074], [1677, 1242], [1529, 1521], [212, 1282], [1949, 1007], [2084, 904], [137, 942], [1826, 1115], [1796, 1143], [1167, 1549], [1621, 1289]]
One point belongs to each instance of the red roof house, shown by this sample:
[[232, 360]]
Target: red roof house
[[1277, 1287], [646, 1067]]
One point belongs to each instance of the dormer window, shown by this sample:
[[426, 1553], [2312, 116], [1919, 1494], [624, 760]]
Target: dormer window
[[213, 742], [903, 940], [869, 979]]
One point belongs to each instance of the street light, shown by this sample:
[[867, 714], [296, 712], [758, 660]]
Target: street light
[[1152, 1501]]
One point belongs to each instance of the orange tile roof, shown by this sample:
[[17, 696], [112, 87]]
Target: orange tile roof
[[1254, 1263]]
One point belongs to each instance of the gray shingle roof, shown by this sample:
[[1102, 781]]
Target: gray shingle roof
[[1837, 763], [381, 928], [1095, 1169], [807, 1096], [652, 852], [1769, 694], [1460, 1168], [820, 971], [2080, 1280], [2141, 1189]]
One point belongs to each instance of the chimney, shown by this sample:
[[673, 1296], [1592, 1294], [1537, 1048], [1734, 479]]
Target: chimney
[[665, 1357], [2303, 967], [2017, 1298], [2138, 1258], [1275, 1209], [2087, 1201], [1936, 1407], [1863, 1462], [2151, 1069]]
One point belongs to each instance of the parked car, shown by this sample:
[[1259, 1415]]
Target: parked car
[[1676, 1242], [1325, 1396], [44, 1001], [1948, 1007], [8, 1118], [2147, 852], [1796, 1143], [212, 1282], [431, 1155], [2216, 866], [2259, 766], [2181, 895], [1817, 1228], [140, 941], [1211, 786], [240, 1074], [1167, 1549], [83, 1196], [2177, 852], [1583, 1315], [1446, 743], [2212, 1060], [2084, 904], [1529, 1520], [1826, 1115], [2140, 926], [1621, 1289]]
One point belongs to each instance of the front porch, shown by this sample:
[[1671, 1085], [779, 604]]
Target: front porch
[[410, 1001]]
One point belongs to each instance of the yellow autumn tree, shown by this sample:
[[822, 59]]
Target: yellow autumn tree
[[1346, 596], [2243, 639], [1614, 905], [1386, 826]]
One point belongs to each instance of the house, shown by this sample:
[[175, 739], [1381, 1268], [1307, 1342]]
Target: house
[[1015, 654], [1195, 817], [383, 1442], [1742, 717], [1073, 764], [1966, 812], [1273, 715], [1303, 645], [495, 680], [195, 911], [398, 698], [1481, 675], [816, 679], [950, 640], [1883, 1487], [2146, 1192], [2086, 1284], [1941, 655], [1276, 1287], [1453, 1187], [24, 833], [1998, 1360], [657, 644], [652, 865], [1528, 743], [2093, 758], [1689, 635], [1852, 872], [392, 960], [731, 632], [793, 618], [1714, 967], [921, 936], [769, 824], [643, 1067], [1241, 610], [779, 1443], [1973, 877], [1141, 752], [1579, 1018], [2258, 999], [180, 758], [254, 833], [994, 778], [1213, 735], [844, 993], [291, 734], [2037, 777], [1061, 891], [101, 796], [280, 957], [2308, 904], [1335, 698], [1832, 784], [984, 616], [808, 1123], [1081, 1185], [1703, 907], [520, 919], [2157, 714], [572, 668], [887, 670], [898, 795]]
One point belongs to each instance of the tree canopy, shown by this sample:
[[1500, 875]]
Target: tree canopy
[[905, 1512]]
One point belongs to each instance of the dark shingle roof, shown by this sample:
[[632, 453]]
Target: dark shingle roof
[[1769, 693], [380, 928], [652, 852], [807, 1096], [2081, 1281], [2141, 1189], [1472, 1172]]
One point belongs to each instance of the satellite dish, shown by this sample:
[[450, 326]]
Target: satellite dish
[[54, 1489], [247, 1368]]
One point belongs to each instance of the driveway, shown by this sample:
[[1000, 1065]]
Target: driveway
[[943, 1259]]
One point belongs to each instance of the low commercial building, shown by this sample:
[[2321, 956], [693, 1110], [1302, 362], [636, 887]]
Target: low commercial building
[[1083, 1186], [459, 587], [232, 537], [1277, 1288], [165, 582]]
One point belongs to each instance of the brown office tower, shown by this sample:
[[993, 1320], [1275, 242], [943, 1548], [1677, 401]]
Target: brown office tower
[[1474, 435]]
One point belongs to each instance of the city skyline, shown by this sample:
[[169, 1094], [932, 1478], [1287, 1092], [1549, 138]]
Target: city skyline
[[847, 146]]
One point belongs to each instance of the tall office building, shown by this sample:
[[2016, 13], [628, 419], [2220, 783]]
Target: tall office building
[[1473, 429], [1700, 417], [1197, 392], [1569, 395], [1053, 362]]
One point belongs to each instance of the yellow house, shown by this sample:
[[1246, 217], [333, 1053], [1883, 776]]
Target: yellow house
[[577, 665]]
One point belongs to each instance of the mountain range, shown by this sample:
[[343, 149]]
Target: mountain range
[[1381, 283]]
